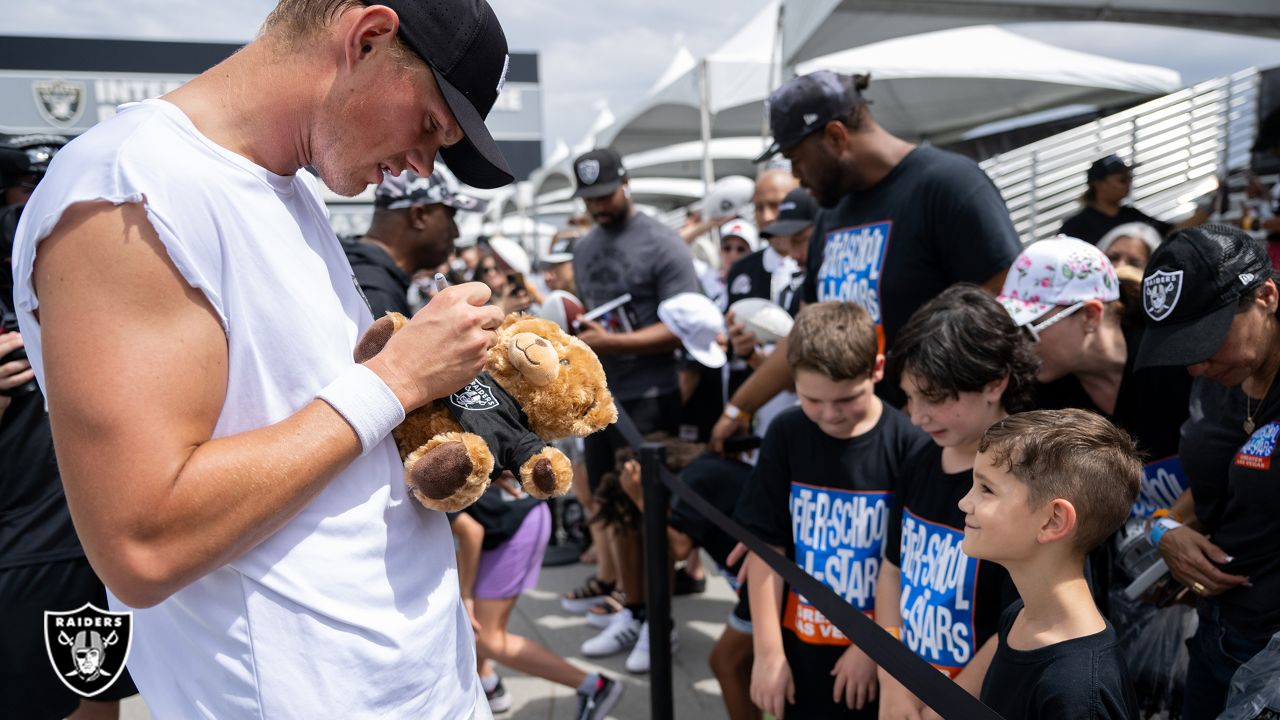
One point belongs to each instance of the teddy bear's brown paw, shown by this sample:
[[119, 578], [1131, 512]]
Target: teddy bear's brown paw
[[547, 474], [450, 471], [375, 337], [442, 470]]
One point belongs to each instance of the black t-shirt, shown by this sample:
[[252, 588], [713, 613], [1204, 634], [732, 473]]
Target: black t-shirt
[[1079, 679], [1091, 225], [935, 220], [1151, 406], [384, 284], [35, 524], [950, 603], [826, 501], [483, 407], [1235, 479]]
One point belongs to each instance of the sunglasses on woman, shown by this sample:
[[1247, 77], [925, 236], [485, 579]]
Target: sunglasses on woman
[[1034, 329]]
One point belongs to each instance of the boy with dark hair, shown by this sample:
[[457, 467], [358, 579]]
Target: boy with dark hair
[[820, 493], [1048, 487], [963, 365]]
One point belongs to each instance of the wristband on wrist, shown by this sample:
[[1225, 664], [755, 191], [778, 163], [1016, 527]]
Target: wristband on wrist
[[1166, 512], [1161, 526], [733, 412], [366, 403]]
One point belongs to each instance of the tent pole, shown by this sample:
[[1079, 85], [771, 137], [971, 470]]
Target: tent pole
[[704, 91]]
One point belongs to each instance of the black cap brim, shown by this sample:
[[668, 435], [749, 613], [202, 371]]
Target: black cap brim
[[774, 148], [588, 192], [784, 227], [476, 159], [1185, 343]]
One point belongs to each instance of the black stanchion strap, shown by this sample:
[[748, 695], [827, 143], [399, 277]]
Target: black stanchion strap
[[924, 680]]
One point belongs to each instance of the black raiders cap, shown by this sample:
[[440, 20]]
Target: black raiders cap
[[463, 44], [1106, 166], [803, 105], [598, 173], [1191, 290], [794, 214]]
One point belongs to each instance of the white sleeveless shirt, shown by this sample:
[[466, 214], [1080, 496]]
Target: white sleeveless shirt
[[351, 610]]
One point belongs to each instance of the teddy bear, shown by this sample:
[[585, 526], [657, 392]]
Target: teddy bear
[[539, 384]]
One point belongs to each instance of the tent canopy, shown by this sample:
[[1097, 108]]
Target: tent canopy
[[918, 90], [926, 86], [813, 28]]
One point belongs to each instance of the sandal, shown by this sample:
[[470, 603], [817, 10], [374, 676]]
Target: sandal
[[686, 584], [591, 593], [601, 615]]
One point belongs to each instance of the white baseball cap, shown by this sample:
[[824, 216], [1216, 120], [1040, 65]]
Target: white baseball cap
[[695, 319], [743, 229], [1055, 272], [510, 252]]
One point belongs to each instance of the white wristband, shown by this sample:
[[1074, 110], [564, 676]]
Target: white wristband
[[367, 404]]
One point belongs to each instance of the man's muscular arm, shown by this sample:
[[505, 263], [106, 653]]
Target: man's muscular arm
[[136, 371]]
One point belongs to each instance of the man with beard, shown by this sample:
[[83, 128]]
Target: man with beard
[[626, 253], [413, 229], [900, 222]]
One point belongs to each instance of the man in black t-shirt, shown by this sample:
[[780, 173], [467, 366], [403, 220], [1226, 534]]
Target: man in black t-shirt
[[900, 223], [413, 229], [1109, 181]]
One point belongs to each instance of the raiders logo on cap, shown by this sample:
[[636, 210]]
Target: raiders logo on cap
[[1160, 293], [589, 171]]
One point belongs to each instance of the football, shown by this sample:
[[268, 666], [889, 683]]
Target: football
[[766, 320], [562, 308]]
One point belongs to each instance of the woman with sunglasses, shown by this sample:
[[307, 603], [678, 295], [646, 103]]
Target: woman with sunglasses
[[1086, 324]]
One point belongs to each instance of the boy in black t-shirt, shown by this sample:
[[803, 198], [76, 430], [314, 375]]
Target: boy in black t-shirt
[[821, 493], [963, 365], [1048, 487]]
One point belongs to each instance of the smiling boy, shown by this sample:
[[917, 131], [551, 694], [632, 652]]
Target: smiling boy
[[1049, 486]]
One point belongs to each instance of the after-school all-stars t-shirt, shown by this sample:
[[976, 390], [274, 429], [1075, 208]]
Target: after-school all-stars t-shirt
[[935, 220], [826, 502], [950, 603]]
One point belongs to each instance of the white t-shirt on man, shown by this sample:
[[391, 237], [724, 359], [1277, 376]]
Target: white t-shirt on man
[[351, 610]]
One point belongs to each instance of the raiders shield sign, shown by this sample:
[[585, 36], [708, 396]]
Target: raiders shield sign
[[88, 647], [475, 396], [60, 102], [1160, 293], [589, 171]]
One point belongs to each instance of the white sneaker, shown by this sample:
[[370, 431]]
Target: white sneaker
[[621, 634], [638, 660]]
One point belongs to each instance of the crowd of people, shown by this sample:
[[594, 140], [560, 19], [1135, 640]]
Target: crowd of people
[[1046, 469]]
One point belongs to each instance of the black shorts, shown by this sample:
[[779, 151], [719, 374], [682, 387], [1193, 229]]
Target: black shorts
[[660, 414], [721, 482], [28, 683]]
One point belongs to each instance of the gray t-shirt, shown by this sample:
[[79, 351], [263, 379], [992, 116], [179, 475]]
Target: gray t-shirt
[[646, 259]]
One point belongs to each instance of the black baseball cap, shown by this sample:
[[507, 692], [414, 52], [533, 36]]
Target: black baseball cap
[[598, 173], [1191, 290], [22, 155], [1106, 166], [794, 214], [804, 105], [463, 44]]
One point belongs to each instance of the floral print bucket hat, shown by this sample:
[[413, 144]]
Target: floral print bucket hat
[[1056, 272]]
